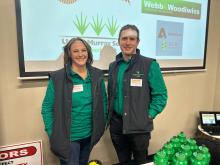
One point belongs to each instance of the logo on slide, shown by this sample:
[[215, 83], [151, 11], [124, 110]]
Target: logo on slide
[[169, 41], [68, 1], [162, 33], [82, 24]]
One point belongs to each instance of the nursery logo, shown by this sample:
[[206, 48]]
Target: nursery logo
[[96, 23], [68, 1], [138, 74]]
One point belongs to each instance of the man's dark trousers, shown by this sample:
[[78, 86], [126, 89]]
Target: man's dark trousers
[[128, 145]]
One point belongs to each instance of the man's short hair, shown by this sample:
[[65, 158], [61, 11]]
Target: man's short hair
[[128, 26]]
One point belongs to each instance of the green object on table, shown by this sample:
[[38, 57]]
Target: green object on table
[[170, 151], [182, 151], [198, 159], [205, 151], [180, 158], [176, 143], [160, 158], [192, 143], [182, 137], [186, 150]]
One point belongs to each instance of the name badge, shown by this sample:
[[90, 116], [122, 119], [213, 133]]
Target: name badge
[[77, 88], [136, 82]]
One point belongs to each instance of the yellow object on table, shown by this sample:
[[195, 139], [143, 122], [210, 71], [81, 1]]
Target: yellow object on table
[[95, 162]]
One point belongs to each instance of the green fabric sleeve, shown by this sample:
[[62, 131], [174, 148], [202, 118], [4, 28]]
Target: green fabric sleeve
[[158, 90], [47, 108]]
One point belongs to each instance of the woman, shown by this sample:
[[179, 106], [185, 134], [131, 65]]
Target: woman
[[74, 107]]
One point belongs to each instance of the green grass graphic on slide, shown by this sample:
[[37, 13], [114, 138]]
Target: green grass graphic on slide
[[97, 25], [81, 24], [112, 26]]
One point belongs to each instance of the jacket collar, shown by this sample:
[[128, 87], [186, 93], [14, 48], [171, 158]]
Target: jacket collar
[[134, 58], [70, 72]]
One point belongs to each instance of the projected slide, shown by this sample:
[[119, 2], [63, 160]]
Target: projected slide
[[173, 32]]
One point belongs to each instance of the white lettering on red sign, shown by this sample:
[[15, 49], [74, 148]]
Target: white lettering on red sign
[[17, 153]]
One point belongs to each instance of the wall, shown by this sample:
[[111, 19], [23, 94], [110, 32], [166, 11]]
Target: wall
[[20, 101], [217, 88]]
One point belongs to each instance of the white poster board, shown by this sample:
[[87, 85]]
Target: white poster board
[[29, 153]]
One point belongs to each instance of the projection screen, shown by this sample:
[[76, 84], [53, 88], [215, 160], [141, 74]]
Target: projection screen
[[173, 32]]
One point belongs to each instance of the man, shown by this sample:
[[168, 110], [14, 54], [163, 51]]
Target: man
[[137, 94]]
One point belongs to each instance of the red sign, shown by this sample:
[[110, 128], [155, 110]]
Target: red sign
[[22, 154]]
